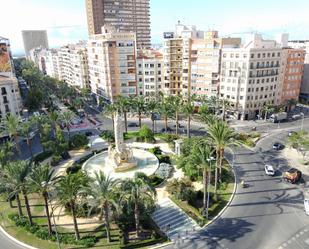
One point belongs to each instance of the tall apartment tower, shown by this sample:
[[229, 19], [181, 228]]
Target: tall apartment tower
[[112, 64], [124, 15], [34, 39]]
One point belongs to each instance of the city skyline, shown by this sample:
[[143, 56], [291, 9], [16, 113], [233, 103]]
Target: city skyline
[[69, 24]]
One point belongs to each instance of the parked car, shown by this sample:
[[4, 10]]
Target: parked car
[[293, 175], [291, 133], [179, 126], [269, 170], [168, 129], [89, 133], [133, 125], [278, 146]]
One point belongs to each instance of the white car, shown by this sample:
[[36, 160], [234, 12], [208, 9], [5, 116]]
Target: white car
[[269, 170]]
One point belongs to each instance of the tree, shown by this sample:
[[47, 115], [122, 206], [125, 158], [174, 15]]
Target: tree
[[176, 104], [202, 159], [109, 111], [290, 103], [151, 107], [34, 99], [221, 136], [225, 104], [26, 131], [137, 191], [102, 195], [268, 109], [53, 118], [139, 106], [165, 110], [124, 105], [12, 126], [42, 181], [66, 117], [188, 109], [68, 191], [5, 154], [17, 174]]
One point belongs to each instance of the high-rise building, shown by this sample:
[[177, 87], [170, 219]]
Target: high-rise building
[[124, 15], [10, 101], [192, 61], [293, 68], [251, 77], [112, 63], [34, 39], [149, 72], [304, 91]]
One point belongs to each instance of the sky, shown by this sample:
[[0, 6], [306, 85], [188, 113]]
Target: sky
[[65, 20]]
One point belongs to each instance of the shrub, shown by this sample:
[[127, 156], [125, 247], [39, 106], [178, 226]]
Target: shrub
[[55, 160], [156, 151], [164, 159], [108, 136], [42, 156], [146, 134], [78, 141], [155, 180], [181, 189]]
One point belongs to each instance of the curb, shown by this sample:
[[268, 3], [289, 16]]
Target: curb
[[163, 245], [229, 202], [6, 234]]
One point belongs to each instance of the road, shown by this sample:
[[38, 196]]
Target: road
[[268, 214]]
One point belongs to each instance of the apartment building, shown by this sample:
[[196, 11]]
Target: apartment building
[[10, 101], [34, 39], [149, 64], [192, 61], [112, 63], [251, 77], [293, 68], [125, 16], [205, 62], [303, 44], [73, 61]]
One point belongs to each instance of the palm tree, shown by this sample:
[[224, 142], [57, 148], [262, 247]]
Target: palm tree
[[66, 117], [124, 106], [151, 107], [225, 104], [68, 191], [290, 103], [188, 109], [53, 118], [165, 111], [221, 136], [137, 191], [109, 111], [5, 154], [202, 158], [26, 130], [213, 103], [139, 106], [12, 126], [176, 104], [42, 181], [101, 195], [268, 109], [17, 174]]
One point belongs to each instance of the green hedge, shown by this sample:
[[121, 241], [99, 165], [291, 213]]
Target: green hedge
[[42, 156], [143, 243], [42, 233]]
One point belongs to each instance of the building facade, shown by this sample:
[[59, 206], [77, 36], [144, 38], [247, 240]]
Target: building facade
[[293, 68], [10, 101], [303, 44], [34, 39], [125, 16], [251, 77], [112, 64], [73, 65], [149, 66]]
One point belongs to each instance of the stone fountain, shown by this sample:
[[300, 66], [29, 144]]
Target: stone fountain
[[122, 161]]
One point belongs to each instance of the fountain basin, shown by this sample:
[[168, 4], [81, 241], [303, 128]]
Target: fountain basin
[[147, 163]]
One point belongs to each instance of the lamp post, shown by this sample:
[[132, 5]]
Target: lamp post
[[302, 120], [208, 184]]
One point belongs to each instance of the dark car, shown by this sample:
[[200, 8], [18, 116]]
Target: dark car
[[179, 126], [292, 175], [133, 125], [168, 129], [278, 146], [89, 133]]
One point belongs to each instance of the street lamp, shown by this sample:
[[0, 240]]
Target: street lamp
[[209, 175], [302, 120]]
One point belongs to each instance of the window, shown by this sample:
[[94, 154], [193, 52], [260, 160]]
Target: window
[[259, 55], [252, 56]]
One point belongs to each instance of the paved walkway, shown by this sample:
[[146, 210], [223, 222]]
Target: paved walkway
[[172, 220]]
